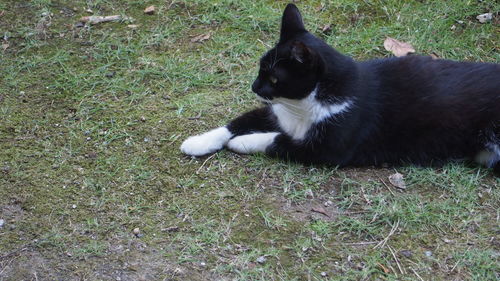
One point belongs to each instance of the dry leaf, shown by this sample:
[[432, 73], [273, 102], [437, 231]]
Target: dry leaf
[[327, 28], [398, 48], [320, 210], [484, 18], [99, 19], [150, 10], [397, 180], [5, 46], [385, 269], [133, 26], [201, 38]]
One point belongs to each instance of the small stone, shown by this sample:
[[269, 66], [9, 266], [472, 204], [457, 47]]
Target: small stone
[[2, 222], [323, 274], [146, 139], [136, 231], [110, 74], [261, 259], [309, 194], [203, 264], [406, 253], [150, 10], [143, 119], [5, 169], [328, 203], [428, 253]]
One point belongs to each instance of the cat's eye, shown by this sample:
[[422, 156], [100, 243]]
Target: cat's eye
[[273, 79]]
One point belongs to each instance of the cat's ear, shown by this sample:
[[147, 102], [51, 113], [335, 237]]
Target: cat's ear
[[301, 53], [291, 23]]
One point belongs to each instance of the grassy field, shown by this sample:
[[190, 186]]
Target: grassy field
[[93, 185]]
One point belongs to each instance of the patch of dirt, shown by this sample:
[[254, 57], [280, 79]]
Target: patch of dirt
[[308, 210], [31, 265], [130, 262]]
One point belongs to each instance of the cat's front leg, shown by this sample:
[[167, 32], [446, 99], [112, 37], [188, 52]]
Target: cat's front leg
[[252, 143], [258, 120], [206, 143]]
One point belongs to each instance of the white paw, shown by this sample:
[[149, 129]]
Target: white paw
[[206, 143], [251, 143]]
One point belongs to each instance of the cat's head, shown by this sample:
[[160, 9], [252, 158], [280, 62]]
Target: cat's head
[[292, 68]]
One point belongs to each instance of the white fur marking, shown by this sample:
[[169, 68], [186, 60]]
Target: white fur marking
[[296, 117], [488, 157], [252, 143], [206, 143]]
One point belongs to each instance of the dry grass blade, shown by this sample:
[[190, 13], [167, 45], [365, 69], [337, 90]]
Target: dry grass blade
[[396, 260], [201, 38], [382, 243], [100, 19]]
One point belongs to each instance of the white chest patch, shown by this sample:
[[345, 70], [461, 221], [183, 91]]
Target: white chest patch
[[295, 117]]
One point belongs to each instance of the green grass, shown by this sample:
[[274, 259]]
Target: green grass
[[91, 119]]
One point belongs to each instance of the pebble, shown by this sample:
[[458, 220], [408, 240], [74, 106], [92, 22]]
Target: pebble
[[261, 259], [73, 206], [328, 203], [406, 253], [2, 222], [324, 274], [136, 231], [428, 253]]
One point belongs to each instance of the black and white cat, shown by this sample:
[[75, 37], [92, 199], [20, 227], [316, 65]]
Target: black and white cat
[[325, 108]]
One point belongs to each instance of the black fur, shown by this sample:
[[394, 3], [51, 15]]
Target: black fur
[[411, 109]]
